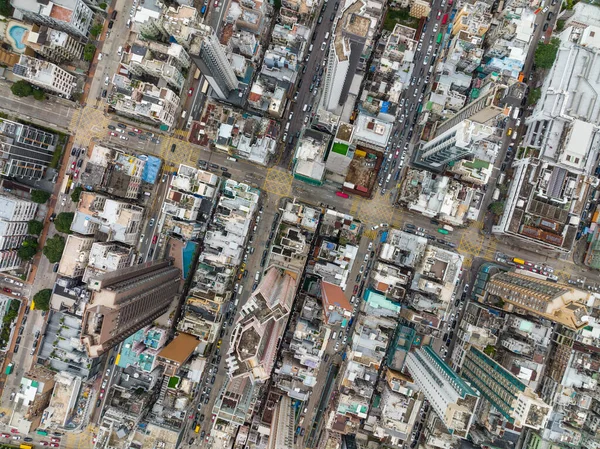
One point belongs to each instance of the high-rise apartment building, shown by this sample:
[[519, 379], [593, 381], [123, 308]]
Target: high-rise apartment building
[[72, 16], [14, 215], [282, 425], [216, 68], [451, 397], [124, 301], [517, 403], [263, 319], [46, 75], [555, 302], [454, 144], [26, 151], [55, 45], [349, 37], [487, 106]]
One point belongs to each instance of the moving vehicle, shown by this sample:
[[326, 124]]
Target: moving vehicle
[[342, 194], [442, 231], [439, 38]]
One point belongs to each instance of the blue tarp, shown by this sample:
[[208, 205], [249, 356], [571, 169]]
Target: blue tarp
[[151, 169]]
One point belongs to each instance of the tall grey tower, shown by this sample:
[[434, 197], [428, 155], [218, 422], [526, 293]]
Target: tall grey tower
[[214, 65]]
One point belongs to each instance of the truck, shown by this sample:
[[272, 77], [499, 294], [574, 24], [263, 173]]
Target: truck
[[9, 368], [448, 228], [518, 261], [496, 194]]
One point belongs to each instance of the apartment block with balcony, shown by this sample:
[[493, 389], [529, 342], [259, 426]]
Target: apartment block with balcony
[[55, 45], [145, 102], [125, 301], [14, 216], [559, 303], [452, 399], [157, 60], [45, 75], [27, 151], [454, 144], [263, 318], [73, 16], [113, 219], [473, 18], [517, 403]]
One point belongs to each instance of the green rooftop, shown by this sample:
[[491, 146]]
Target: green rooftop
[[477, 164]]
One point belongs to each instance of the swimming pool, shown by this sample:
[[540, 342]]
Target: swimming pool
[[17, 32]]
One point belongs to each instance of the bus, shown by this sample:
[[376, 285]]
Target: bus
[[445, 19], [197, 74], [43, 433], [204, 87], [442, 231], [419, 108], [518, 261], [439, 38]]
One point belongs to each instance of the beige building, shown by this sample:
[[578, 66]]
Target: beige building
[[124, 301], [420, 9], [555, 302], [75, 256], [475, 19]]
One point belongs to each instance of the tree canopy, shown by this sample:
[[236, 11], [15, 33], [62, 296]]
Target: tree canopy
[[89, 51], [96, 29], [497, 208], [39, 196], [21, 89], [63, 221], [545, 54], [28, 249], [54, 248], [41, 299], [35, 227], [76, 194]]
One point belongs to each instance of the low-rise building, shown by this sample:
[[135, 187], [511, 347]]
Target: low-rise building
[[309, 164], [120, 221], [145, 102], [54, 45]]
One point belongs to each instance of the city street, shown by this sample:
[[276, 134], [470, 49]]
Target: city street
[[316, 61]]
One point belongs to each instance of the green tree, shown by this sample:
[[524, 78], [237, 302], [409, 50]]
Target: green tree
[[6, 8], [21, 89], [39, 196], [76, 194], [54, 248], [39, 94], [534, 95], [41, 299], [560, 25], [490, 350], [89, 51], [28, 248], [545, 54], [497, 208], [103, 5], [63, 221], [35, 227], [95, 30]]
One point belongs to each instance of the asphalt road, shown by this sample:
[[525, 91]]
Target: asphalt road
[[413, 96], [316, 61], [51, 112], [113, 38]]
